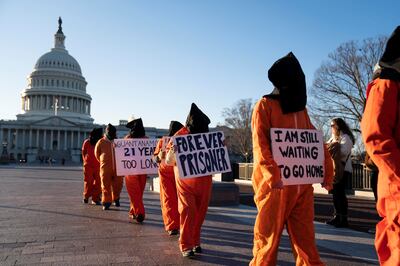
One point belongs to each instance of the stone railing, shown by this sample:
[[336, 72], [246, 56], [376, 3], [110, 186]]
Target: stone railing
[[361, 178]]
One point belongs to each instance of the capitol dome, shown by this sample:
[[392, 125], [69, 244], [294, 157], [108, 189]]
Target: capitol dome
[[56, 87], [58, 59]]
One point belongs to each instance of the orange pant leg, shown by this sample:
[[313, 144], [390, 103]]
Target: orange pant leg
[[117, 184], [88, 181], [387, 237], [387, 242], [169, 200], [135, 185], [268, 226], [96, 195], [106, 185], [300, 226], [187, 213], [193, 198], [203, 199]]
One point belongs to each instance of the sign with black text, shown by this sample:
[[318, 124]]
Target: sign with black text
[[201, 154], [299, 154], [134, 156]]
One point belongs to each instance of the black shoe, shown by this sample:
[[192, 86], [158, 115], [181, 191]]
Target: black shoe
[[333, 221], [96, 203], [140, 218], [343, 223], [173, 232], [188, 253], [117, 204], [106, 206], [197, 249], [85, 201]]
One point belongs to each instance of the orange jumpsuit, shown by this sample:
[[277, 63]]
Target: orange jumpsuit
[[293, 205], [168, 194], [91, 172], [380, 128], [135, 185], [193, 198], [111, 184]]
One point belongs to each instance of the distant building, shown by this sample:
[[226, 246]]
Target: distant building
[[56, 114]]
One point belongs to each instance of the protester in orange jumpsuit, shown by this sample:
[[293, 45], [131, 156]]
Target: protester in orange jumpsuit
[[168, 194], [280, 205], [135, 184], [193, 193], [91, 168], [380, 127], [111, 184]]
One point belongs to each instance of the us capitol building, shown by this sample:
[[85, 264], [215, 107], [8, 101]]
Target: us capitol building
[[56, 115]]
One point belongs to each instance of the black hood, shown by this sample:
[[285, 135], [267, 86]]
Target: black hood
[[111, 132], [197, 121], [288, 77], [174, 126], [390, 60], [136, 128], [95, 135]]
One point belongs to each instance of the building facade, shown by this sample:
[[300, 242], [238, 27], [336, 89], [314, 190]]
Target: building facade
[[55, 115]]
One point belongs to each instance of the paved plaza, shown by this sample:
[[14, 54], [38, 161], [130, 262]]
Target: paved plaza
[[43, 222]]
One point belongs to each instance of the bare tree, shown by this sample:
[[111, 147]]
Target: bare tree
[[340, 83], [238, 122]]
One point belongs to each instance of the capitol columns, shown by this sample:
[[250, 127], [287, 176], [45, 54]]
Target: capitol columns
[[51, 139], [44, 139], [65, 139], [30, 138]]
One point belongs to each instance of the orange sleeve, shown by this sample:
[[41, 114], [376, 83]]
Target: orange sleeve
[[97, 150], [84, 151], [379, 126], [261, 125], [158, 147]]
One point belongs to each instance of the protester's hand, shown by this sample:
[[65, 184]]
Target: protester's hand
[[174, 148], [327, 186], [162, 155], [278, 185]]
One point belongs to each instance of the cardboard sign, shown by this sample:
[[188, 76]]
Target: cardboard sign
[[300, 155], [201, 154], [134, 156]]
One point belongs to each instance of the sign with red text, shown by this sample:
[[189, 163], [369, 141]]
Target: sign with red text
[[134, 156], [299, 154], [201, 154]]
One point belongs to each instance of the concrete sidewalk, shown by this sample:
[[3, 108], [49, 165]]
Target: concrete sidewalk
[[42, 221]]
